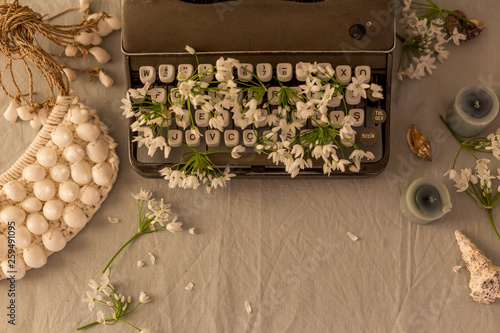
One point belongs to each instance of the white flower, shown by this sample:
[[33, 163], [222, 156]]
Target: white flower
[[376, 91], [235, 152], [100, 317], [190, 50], [93, 285], [143, 195], [457, 37], [357, 86], [174, 226], [143, 298], [92, 296], [425, 63]]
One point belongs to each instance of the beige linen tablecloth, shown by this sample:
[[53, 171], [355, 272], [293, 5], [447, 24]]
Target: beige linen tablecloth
[[281, 245]]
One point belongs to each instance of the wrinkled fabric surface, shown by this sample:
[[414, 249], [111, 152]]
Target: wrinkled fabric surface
[[281, 245]]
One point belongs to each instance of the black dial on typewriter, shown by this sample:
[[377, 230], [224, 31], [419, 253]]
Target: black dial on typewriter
[[357, 31]]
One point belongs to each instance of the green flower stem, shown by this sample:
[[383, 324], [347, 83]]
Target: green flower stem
[[490, 214], [120, 250], [126, 322]]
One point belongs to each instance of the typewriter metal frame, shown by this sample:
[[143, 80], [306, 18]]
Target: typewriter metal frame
[[134, 58]]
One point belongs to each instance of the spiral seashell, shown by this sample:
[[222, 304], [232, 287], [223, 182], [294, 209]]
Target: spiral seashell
[[419, 144]]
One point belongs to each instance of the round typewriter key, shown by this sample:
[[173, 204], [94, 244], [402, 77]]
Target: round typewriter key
[[368, 136], [357, 31], [379, 116]]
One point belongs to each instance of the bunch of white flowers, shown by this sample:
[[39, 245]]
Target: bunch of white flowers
[[286, 113], [117, 303], [424, 38]]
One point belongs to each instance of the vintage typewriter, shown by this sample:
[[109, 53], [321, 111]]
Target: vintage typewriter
[[272, 37]]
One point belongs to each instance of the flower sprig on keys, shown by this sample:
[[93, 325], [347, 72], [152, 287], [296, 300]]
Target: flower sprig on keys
[[426, 30], [211, 97], [118, 304]]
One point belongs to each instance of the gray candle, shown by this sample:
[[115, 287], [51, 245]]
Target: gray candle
[[473, 108]]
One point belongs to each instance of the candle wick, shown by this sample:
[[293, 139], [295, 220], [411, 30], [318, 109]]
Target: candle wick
[[477, 104]]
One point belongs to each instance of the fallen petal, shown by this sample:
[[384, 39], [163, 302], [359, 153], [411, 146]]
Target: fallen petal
[[456, 268], [352, 236], [248, 307], [113, 220], [193, 231], [140, 263], [189, 286], [153, 259]]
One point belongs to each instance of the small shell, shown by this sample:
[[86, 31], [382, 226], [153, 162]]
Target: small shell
[[44, 189], [103, 29], [78, 115], [89, 195], [70, 51], [22, 237], [70, 74], [14, 191], [102, 174], [88, 131], [74, 153], [42, 115], [31, 205], [470, 31], [47, 157], [35, 122], [418, 143], [53, 240], [62, 136], [11, 113], [105, 79], [4, 246], [84, 38], [81, 173], [68, 191], [34, 172], [36, 223], [59, 173], [113, 21], [34, 256], [97, 151], [100, 54], [74, 217], [26, 112], [12, 214], [52, 209], [17, 271], [189, 286], [96, 39]]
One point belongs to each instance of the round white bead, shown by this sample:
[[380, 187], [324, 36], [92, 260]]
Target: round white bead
[[53, 240], [74, 217], [14, 191], [44, 189], [62, 136], [74, 153], [36, 224], [12, 214], [34, 172], [34, 256], [52, 209], [19, 267], [89, 195], [47, 157], [31, 205], [97, 151], [102, 174], [68, 191], [88, 131], [22, 237], [59, 173], [81, 173]]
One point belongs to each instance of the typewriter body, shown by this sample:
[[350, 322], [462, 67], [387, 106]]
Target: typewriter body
[[352, 36]]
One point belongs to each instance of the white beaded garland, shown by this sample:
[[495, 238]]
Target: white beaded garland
[[81, 173], [59, 173], [89, 195], [97, 151], [31, 205], [88, 131], [74, 217], [44, 189], [19, 267], [53, 240], [36, 223], [12, 214], [22, 237], [34, 256], [14, 191], [62, 136], [34, 172], [102, 174], [47, 157], [52, 209], [74, 153]]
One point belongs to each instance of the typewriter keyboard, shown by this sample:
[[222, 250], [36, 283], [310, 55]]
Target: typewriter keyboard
[[257, 86]]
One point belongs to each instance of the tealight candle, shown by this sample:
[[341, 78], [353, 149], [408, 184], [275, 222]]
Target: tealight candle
[[473, 108], [425, 200]]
